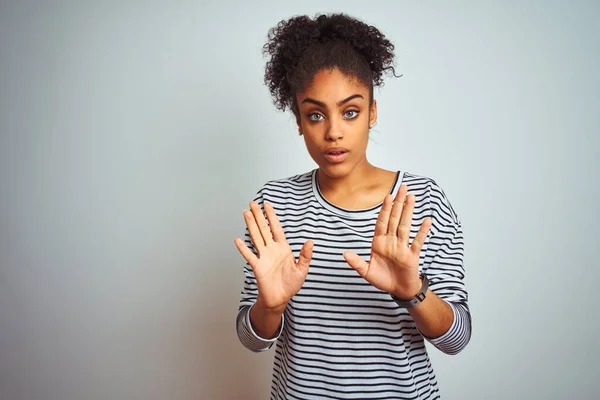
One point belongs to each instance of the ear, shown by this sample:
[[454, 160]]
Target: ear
[[373, 113]]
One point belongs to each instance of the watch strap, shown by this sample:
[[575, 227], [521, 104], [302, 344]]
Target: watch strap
[[417, 299]]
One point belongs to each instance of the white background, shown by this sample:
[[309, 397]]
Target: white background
[[133, 136]]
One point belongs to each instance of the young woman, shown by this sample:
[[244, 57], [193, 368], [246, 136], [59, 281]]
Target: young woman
[[350, 267]]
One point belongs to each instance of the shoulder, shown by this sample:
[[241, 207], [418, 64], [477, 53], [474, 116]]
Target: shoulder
[[431, 198], [283, 187]]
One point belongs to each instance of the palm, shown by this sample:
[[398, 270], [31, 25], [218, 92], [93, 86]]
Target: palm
[[278, 275], [394, 265], [391, 262]]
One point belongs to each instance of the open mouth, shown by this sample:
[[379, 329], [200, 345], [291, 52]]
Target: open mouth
[[336, 156]]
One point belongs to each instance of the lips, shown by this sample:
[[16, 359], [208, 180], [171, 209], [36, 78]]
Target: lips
[[336, 155], [336, 150]]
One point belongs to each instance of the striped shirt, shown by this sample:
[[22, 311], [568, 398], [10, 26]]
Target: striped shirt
[[340, 337]]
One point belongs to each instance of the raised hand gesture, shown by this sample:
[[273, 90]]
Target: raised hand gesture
[[277, 273], [394, 265]]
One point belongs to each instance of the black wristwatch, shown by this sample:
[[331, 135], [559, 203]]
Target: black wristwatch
[[417, 299]]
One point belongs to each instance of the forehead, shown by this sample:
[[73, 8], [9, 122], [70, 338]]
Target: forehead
[[331, 85]]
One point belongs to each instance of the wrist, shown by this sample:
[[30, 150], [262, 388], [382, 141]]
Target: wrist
[[410, 290], [269, 311], [416, 299], [265, 322]]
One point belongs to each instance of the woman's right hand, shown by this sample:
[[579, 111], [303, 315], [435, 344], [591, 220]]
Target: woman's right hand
[[278, 276]]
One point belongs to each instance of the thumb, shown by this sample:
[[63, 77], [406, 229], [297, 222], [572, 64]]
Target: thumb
[[305, 256], [354, 260]]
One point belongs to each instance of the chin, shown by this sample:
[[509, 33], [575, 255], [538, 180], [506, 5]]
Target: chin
[[335, 170]]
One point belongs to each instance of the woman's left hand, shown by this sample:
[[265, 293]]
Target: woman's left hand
[[394, 265]]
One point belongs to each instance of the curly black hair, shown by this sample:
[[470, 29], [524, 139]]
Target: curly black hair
[[300, 47]]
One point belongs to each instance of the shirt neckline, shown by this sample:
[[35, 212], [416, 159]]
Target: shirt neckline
[[366, 212]]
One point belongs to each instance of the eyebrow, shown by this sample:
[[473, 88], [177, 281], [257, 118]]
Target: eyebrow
[[339, 103]]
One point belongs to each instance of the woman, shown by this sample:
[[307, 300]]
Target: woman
[[351, 267]]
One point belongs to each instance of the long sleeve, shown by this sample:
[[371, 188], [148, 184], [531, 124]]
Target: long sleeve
[[246, 334], [443, 265], [248, 337]]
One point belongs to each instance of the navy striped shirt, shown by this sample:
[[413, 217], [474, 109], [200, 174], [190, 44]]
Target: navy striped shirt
[[340, 337]]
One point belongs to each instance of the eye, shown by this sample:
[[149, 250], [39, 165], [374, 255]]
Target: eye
[[315, 117], [351, 114]]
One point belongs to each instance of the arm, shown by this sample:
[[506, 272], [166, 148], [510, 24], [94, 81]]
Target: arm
[[446, 325], [444, 318], [433, 316], [266, 322], [272, 277], [254, 338], [257, 328]]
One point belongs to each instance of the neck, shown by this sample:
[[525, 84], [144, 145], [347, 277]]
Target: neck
[[356, 179]]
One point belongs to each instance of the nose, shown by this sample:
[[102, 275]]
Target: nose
[[333, 131]]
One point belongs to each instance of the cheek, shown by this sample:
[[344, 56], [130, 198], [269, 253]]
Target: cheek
[[312, 148], [360, 132]]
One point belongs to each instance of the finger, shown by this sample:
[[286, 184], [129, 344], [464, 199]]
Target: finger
[[305, 256], [384, 216], [245, 251], [417, 243], [354, 260], [263, 227], [276, 229], [392, 227], [406, 219], [255, 236]]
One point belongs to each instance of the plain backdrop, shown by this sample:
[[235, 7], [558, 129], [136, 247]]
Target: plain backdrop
[[133, 135]]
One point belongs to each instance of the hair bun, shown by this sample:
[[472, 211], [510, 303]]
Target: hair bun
[[287, 70]]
